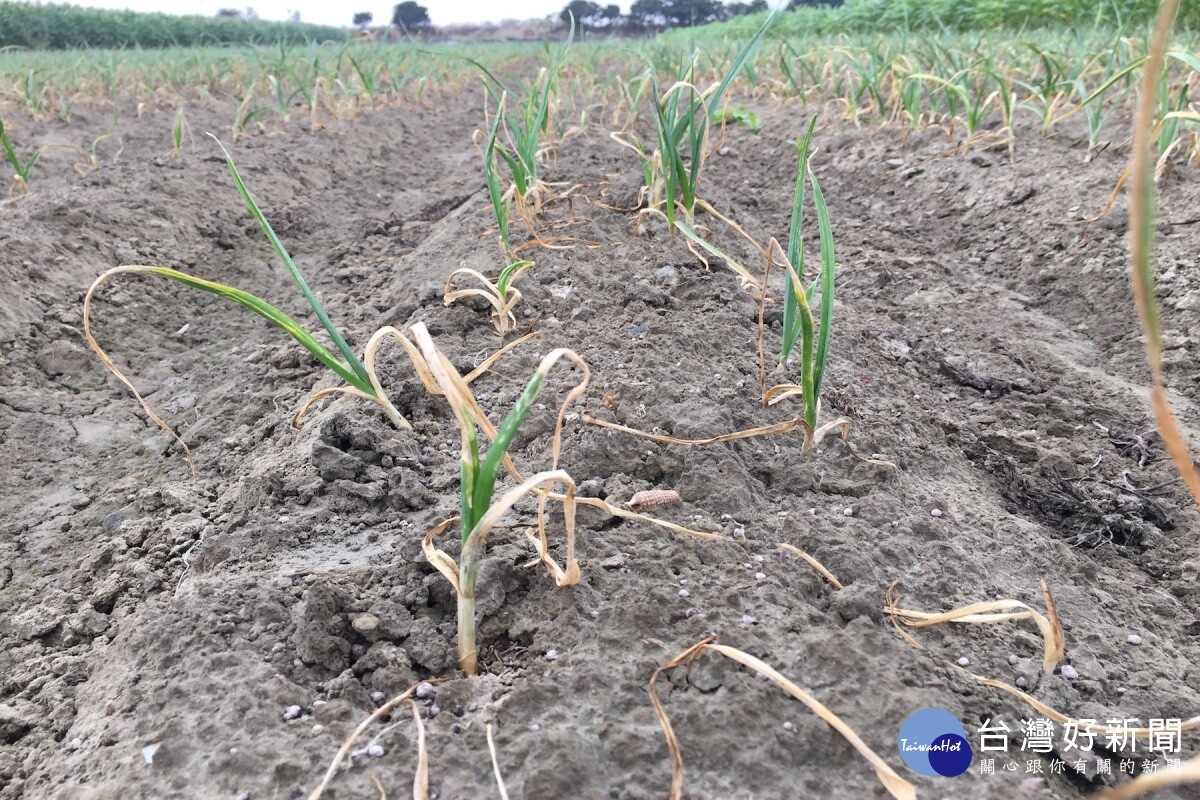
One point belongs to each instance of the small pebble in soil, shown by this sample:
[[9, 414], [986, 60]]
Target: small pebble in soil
[[739, 534], [691, 612], [1013, 660], [472, 707], [847, 512], [683, 593], [1021, 682], [758, 576], [425, 691], [292, 712], [378, 697], [242, 796], [318, 728], [535, 727], [683, 581], [318, 703], [434, 711], [787, 726], [748, 565], [1134, 639], [297, 663], [749, 619], [456, 728], [758, 676], [551, 655], [1069, 672], [937, 512], [963, 662], [375, 751]]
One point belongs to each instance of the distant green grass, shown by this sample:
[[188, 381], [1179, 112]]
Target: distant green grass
[[881, 16], [58, 27]]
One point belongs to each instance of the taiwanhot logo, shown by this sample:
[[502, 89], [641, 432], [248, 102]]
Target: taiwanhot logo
[[933, 742]]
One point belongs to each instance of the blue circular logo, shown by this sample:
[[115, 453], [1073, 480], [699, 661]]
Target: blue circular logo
[[933, 742]]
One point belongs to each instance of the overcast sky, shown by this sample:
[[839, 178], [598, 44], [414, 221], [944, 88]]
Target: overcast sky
[[441, 12]]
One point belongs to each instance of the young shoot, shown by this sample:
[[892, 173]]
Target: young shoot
[[178, 129], [807, 310], [91, 161], [527, 126], [478, 475], [501, 202], [682, 114], [500, 294], [22, 168], [524, 118], [740, 115]]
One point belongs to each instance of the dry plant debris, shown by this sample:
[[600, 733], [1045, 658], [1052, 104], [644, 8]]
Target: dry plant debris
[[896, 786], [987, 612], [420, 782]]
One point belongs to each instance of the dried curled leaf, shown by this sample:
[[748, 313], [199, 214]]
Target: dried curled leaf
[[780, 427], [987, 612], [1141, 245], [421, 779], [566, 575], [812, 436], [812, 562], [382, 711], [496, 765], [1001, 611], [371, 353], [891, 781], [500, 294], [440, 561], [464, 399]]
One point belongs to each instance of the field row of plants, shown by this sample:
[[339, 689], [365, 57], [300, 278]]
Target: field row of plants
[[978, 87], [966, 15], [61, 27], [671, 108], [56, 26], [667, 105]]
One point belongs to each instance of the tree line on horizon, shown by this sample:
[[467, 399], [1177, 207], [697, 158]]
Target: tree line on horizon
[[413, 17], [657, 14]]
